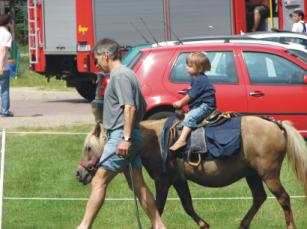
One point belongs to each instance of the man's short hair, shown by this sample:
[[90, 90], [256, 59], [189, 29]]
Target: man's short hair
[[107, 45], [5, 20], [299, 12]]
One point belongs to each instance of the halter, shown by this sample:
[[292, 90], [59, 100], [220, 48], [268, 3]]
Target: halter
[[93, 168]]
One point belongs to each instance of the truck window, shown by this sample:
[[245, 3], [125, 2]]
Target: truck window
[[223, 68], [265, 68]]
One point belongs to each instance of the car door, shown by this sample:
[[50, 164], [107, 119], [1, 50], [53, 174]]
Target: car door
[[276, 86], [230, 91]]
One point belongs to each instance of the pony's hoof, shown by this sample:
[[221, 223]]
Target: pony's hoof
[[203, 225]]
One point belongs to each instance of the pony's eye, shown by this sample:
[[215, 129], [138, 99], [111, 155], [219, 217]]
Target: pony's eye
[[89, 148], [90, 167]]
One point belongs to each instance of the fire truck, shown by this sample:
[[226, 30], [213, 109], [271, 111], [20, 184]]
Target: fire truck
[[62, 33]]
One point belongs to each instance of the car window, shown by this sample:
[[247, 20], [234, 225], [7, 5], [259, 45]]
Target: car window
[[265, 68], [296, 40], [276, 39], [223, 68], [133, 55]]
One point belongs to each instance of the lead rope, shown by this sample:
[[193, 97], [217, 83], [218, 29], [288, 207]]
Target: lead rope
[[137, 213]]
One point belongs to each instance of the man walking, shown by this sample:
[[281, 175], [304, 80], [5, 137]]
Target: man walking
[[124, 107]]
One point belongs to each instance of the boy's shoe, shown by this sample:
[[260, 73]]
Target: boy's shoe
[[8, 114]]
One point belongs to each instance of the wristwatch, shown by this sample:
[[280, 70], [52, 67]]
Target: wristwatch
[[127, 139]]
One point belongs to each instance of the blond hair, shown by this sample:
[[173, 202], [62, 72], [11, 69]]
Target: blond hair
[[199, 61]]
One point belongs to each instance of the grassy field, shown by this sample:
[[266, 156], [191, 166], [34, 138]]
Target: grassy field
[[43, 166]]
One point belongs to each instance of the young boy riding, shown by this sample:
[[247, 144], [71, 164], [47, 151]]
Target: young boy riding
[[200, 98]]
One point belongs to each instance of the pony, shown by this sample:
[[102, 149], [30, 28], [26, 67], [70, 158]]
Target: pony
[[264, 145]]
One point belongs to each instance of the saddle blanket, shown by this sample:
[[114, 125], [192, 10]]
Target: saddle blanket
[[214, 142], [221, 141]]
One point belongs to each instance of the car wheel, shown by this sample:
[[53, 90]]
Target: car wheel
[[160, 115], [87, 90]]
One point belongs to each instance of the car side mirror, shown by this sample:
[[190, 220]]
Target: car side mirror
[[305, 79]]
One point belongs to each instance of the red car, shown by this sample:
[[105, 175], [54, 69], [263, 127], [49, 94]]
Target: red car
[[249, 77]]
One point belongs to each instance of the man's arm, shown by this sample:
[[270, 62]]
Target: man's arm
[[3, 51], [129, 117]]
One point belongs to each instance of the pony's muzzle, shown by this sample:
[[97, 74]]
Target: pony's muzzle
[[83, 176]]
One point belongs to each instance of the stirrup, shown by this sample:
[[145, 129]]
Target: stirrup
[[194, 164]]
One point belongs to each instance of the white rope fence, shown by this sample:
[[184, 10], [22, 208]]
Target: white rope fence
[[131, 199], [45, 133], [2, 175]]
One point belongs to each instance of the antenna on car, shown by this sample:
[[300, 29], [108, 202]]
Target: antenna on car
[[178, 39], [153, 37], [173, 32], [139, 32]]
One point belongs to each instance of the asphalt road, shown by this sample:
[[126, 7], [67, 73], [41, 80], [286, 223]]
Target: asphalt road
[[39, 108]]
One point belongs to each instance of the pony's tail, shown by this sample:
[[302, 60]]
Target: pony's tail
[[296, 153]]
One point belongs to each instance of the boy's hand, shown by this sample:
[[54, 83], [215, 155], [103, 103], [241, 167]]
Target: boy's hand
[[177, 104]]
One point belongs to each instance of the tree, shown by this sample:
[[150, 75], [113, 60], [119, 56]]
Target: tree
[[21, 22]]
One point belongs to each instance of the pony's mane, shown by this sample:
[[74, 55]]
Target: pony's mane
[[94, 142]]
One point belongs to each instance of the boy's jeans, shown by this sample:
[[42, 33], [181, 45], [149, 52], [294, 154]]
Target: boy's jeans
[[195, 115], [5, 92]]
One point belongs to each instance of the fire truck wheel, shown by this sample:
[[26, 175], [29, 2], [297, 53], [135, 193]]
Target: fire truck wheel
[[87, 90]]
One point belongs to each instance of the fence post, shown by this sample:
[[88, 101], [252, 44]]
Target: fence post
[[2, 175]]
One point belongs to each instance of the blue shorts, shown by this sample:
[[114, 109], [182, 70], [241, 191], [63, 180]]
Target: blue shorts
[[196, 115], [117, 163]]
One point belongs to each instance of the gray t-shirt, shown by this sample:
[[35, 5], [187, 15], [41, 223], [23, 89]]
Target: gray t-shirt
[[123, 89]]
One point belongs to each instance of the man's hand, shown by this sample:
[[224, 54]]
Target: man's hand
[[123, 148]]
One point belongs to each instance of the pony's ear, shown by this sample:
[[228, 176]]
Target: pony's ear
[[97, 130]]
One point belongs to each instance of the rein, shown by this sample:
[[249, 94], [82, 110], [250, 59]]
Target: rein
[[92, 169]]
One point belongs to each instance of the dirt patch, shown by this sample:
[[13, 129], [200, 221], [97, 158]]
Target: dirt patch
[[39, 108]]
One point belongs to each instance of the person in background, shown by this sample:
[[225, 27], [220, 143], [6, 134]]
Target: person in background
[[299, 25], [123, 110], [200, 98], [257, 11], [5, 45]]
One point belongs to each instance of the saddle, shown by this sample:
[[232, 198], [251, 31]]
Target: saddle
[[214, 118], [213, 137], [217, 135]]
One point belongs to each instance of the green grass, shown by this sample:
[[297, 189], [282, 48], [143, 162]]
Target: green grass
[[44, 166], [82, 128]]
